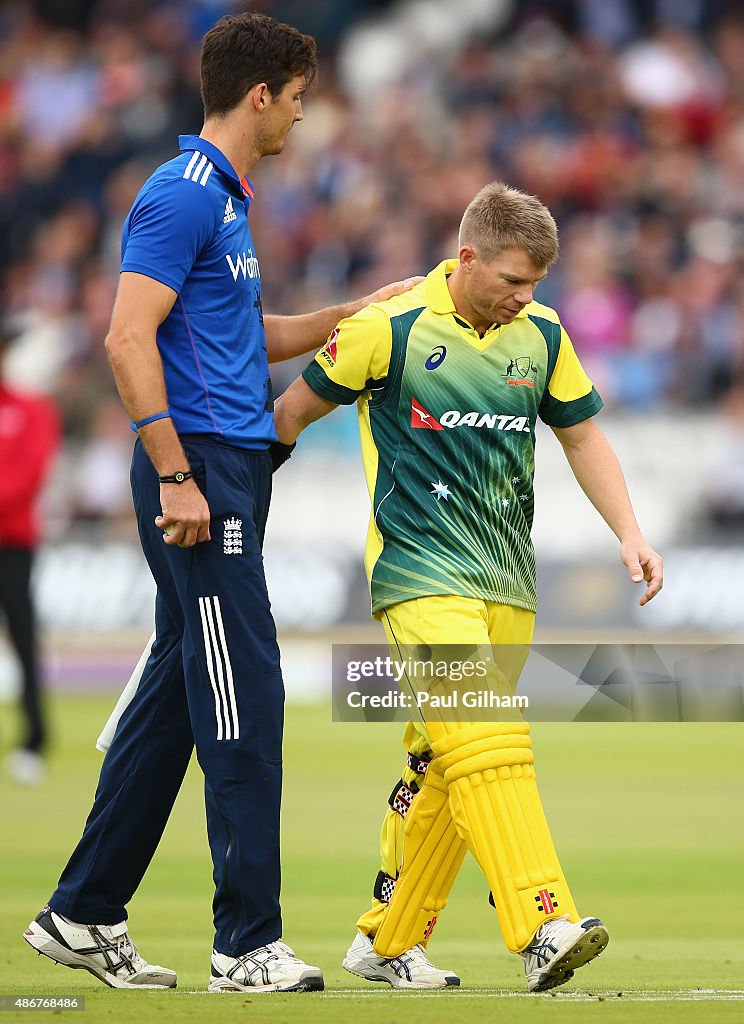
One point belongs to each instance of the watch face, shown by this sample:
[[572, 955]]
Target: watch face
[[179, 478]]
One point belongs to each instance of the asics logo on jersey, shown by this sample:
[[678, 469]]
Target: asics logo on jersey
[[245, 263], [454, 418], [436, 358], [230, 214]]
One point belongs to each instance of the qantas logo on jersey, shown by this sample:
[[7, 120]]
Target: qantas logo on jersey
[[454, 418], [421, 418], [245, 263]]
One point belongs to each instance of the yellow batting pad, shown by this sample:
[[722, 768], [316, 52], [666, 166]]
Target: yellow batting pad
[[391, 836], [497, 810], [464, 749], [433, 852], [507, 831]]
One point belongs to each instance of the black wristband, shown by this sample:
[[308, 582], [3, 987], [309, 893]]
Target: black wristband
[[176, 478], [280, 453]]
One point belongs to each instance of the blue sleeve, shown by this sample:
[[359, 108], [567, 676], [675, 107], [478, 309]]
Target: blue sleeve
[[167, 228]]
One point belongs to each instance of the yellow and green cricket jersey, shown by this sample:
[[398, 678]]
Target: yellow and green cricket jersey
[[447, 422]]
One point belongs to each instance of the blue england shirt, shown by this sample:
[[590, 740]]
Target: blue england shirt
[[188, 228]]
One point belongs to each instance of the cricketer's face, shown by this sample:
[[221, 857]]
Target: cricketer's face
[[499, 289], [285, 109]]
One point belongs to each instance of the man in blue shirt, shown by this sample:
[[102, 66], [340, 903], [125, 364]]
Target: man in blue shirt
[[189, 350]]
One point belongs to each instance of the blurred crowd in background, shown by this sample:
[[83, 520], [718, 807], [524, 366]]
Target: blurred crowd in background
[[626, 117]]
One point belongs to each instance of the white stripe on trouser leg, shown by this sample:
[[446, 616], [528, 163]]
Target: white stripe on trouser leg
[[217, 654], [218, 706], [219, 665], [228, 668]]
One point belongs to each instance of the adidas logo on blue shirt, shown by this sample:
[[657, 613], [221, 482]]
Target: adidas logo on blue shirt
[[230, 214]]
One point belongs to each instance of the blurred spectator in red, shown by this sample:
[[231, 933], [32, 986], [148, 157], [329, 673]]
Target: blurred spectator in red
[[29, 436]]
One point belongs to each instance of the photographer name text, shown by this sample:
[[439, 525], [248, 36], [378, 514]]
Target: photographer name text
[[423, 699]]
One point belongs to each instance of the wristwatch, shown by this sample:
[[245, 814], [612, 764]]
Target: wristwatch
[[176, 478]]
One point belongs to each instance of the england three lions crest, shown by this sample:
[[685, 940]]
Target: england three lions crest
[[232, 538]]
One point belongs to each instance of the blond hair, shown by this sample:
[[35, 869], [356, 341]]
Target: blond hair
[[501, 217]]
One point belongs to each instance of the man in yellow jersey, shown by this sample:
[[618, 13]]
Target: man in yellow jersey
[[450, 379]]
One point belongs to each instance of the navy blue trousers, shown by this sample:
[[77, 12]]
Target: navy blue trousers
[[213, 680]]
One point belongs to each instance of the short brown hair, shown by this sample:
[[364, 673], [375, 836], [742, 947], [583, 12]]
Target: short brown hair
[[501, 217], [243, 50]]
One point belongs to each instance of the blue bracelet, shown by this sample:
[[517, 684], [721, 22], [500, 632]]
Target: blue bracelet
[[151, 419]]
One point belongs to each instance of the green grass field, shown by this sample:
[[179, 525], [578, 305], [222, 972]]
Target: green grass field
[[647, 819]]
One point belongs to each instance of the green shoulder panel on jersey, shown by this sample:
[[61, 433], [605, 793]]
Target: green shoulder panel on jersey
[[553, 411], [566, 414], [401, 327], [365, 354], [314, 376], [384, 429], [551, 331]]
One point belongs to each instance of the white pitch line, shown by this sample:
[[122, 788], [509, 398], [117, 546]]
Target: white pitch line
[[640, 996]]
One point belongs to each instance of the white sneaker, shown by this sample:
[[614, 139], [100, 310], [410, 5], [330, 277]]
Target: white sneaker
[[559, 947], [105, 950], [411, 969], [272, 968], [26, 767]]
